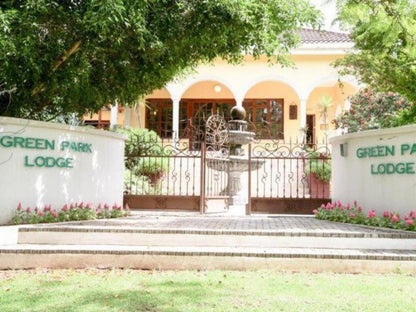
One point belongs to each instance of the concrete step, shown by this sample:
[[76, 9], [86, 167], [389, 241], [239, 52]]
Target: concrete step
[[160, 247], [95, 235], [206, 258]]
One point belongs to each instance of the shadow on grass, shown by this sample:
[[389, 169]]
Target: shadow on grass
[[154, 296]]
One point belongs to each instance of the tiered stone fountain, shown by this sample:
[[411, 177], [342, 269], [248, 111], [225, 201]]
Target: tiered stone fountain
[[237, 163]]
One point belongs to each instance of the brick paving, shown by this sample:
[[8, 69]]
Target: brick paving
[[268, 224]]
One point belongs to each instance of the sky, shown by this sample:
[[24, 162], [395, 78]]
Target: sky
[[329, 11]]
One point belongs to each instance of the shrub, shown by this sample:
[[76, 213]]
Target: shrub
[[319, 164], [371, 110], [145, 156]]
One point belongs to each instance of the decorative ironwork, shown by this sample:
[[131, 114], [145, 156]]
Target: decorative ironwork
[[216, 133], [176, 168]]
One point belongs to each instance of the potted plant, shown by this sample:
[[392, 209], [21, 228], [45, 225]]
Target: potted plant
[[318, 169]]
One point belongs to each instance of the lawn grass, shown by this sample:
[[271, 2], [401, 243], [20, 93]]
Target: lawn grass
[[133, 290]]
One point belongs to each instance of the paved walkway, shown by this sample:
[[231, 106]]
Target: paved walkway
[[290, 224]]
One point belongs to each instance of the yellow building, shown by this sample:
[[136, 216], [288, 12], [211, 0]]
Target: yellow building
[[281, 103]]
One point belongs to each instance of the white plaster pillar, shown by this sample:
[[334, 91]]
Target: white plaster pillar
[[175, 119], [302, 120], [127, 116], [113, 117], [302, 113]]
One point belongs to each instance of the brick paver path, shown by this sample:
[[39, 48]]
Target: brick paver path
[[267, 223]]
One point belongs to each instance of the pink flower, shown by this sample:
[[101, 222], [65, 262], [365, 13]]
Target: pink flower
[[40, 213], [413, 214], [360, 209], [329, 206], [394, 219], [27, 210], [386, 214], [89, 206], [47, 208], [406, 217], [352, 215], [348, 207], [54, 214], [315, 211], [115, 206], [19, 207], [71, 206], [127, 207], [99, 211], [99, 206], [410, 222], [355, 203], [371, 214], [65, 208], [323, 206], [106, 207], [81, 205], [36, 209]]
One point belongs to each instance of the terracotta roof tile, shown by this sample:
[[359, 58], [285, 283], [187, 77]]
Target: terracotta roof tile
[[322, 36]]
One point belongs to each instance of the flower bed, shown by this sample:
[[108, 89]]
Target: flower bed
[[354, 214], [73, 212]]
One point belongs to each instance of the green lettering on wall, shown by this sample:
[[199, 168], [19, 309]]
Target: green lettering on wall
[[376, 151], [393, 168], [29, 143], [48, 162]]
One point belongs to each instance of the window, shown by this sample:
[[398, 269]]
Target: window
[[99, 124], [266, 117], [159, 117], [101, 120], [194, 113]]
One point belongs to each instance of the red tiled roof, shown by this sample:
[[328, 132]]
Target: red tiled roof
[[322, 36]]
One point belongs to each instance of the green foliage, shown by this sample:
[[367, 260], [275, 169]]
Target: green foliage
[[74, 212], [406, 117], [319, 164], [354, 214], [77, 55], [372, 110], [146, 160], [384, 33]]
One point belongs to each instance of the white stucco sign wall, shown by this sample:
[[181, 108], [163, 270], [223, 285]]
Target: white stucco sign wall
[[377, 168], [52, 164]]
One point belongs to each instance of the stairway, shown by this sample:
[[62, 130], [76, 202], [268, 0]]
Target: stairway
[[290, 243]]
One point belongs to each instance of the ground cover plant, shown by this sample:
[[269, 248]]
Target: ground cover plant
[[354, 214], [72, 212], [132, 290]]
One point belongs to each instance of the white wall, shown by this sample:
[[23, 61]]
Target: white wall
[[361, 174], [96, 175]]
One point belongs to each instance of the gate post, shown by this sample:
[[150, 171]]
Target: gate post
[[248, 207], [202, 180]]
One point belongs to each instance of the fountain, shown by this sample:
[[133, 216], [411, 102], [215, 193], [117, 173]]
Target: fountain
[[237, 161]]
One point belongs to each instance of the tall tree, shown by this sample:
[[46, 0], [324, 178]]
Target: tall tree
[[384, 32], [76, 55]]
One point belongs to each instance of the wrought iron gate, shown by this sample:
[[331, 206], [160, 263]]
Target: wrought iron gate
[[171, 175]]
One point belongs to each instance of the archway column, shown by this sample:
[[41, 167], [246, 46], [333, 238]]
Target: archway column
[[302, 119], [113, 115], [175, 119]]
